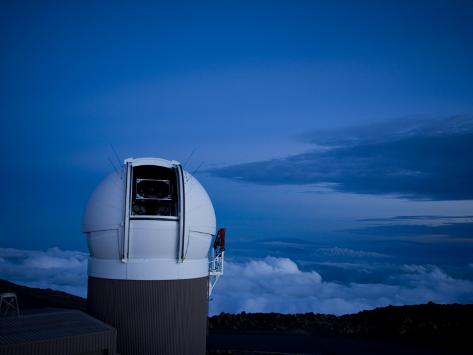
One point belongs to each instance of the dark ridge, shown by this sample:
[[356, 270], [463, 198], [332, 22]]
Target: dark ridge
[[413, 320], [437, 325], [30, 298]]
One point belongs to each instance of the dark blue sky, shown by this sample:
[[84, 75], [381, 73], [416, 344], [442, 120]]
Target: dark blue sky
[[351, 111]]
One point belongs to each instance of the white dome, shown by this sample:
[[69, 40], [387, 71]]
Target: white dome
[[152, 221]]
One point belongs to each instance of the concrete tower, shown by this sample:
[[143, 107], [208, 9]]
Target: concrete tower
[[149, 229]]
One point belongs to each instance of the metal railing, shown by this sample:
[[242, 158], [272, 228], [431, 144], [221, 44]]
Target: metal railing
[[216, 260]]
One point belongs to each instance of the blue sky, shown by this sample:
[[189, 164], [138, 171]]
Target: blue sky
[[327, 132]]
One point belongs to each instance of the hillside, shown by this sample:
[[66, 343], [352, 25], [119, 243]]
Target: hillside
[[29, 298], [433, 328]]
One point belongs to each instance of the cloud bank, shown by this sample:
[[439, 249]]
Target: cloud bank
[[259, 285], [415, 159], [54, 268], [278, 285]]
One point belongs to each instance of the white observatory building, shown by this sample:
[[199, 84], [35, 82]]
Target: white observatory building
[[149, 229]]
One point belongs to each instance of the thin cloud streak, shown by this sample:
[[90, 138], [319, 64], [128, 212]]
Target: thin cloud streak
[[347, 252], [434, 229]]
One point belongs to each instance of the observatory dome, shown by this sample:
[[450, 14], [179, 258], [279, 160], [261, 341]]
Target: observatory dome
[[151, 221]]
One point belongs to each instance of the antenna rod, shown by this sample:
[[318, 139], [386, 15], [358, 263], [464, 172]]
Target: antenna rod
[[189, 157], [120, 162], [113, 166], [197, 169]]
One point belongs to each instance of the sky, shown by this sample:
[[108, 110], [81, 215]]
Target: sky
[[334, 139]]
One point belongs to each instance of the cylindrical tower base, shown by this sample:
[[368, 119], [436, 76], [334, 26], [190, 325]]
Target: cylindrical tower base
[[153, 317]]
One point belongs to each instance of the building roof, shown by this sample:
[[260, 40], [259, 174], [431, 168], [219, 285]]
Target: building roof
[[53, 326]]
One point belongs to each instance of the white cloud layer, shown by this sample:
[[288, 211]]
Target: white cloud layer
[[259, 285], [278, 285], [54, 268]]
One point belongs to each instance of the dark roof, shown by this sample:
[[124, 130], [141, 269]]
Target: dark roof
[[47, 325]]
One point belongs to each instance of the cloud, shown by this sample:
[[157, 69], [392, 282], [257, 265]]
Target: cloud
[[415, 159], [420, 228], [428, 220], [278, 285], [54, 268], [347, 252], [285, 244], [260, 285], [360, 267]]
